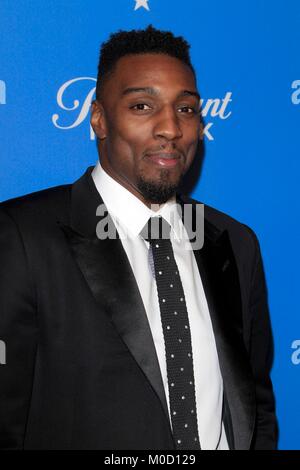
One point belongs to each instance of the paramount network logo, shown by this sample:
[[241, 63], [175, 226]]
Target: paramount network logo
[[295, 358], [79, 108], [215, 107], [141, 4], [2, 92], [296, 94]]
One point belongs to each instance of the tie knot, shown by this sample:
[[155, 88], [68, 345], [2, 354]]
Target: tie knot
[[156, 228]]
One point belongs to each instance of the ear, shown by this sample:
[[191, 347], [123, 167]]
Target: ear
[[98, 121]]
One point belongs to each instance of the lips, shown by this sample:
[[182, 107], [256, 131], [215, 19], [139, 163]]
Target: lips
[[164, 159]]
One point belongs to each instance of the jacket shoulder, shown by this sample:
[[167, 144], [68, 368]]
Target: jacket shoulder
[[241, 234], [39, 204]]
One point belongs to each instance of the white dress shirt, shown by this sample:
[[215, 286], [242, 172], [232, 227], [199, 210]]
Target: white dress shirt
[[130, 216]]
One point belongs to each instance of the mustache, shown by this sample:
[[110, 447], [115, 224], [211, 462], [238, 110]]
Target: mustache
[[168, 152]]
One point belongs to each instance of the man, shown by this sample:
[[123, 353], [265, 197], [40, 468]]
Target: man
[[92, 323]]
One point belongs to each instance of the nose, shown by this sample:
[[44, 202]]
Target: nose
[[167, 125]]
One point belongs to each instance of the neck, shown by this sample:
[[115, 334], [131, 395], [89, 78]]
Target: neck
[[131, 187]]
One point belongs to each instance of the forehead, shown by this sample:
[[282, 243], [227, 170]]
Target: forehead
[[141, 70]]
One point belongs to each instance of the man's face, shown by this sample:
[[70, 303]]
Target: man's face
[[148, 124]]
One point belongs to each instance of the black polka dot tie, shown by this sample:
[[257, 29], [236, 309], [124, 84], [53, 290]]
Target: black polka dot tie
[[177, 335]]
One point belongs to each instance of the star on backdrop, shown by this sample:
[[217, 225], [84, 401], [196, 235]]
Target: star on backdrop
[[141, 3]]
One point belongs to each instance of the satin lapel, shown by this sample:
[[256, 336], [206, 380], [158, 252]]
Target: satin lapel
[[107, 271], [219, 275]]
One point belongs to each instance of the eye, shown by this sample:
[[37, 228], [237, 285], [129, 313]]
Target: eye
[[139, 107], [190, 109]]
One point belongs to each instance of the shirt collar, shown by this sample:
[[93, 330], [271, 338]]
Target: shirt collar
[[132, 213]]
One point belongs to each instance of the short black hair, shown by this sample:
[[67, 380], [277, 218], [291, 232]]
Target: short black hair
[[139, 41]]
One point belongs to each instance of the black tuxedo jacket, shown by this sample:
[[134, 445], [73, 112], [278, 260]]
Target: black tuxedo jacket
[[81, 368]]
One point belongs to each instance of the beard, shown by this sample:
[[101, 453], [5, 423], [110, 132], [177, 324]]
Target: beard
[[158, 192]]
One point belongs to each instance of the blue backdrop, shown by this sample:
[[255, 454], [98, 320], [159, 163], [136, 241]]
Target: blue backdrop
[[246, 55]]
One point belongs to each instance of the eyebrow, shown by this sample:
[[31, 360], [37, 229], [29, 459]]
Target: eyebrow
[[155, 92]]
